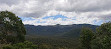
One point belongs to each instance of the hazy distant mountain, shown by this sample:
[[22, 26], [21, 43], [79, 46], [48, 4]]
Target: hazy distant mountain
[[57, 30]]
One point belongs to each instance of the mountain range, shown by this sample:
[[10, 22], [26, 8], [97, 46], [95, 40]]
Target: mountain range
[[58, 30]]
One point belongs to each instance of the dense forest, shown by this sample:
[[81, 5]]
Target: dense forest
[[15, 35]]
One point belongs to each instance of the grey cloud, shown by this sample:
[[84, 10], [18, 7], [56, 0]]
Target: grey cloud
[[27, 8], [9, 2], [85, 5], [105, 17], [39, 8]]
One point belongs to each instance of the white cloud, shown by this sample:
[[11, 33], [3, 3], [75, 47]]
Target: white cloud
[[85, 11]]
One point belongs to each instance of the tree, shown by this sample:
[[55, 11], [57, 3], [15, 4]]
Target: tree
[[104, 29], [14, 30], [103, 42], [86, 37], [103, 37]]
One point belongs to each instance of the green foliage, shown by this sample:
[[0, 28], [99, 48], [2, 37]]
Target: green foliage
[[12, 29], [7, 47], [12, 22], [86, 37], [53, 42], [103, 42], [100, 40], [74, 33], [25, 45], [103, 37], [104, 29]]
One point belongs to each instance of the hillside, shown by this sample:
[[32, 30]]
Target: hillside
[[57, 30], [56, 36]]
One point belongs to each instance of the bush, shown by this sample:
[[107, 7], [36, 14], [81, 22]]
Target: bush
[[25, 45]]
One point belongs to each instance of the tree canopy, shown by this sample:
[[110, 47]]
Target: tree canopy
[[12, 27], [86, 37], [101, 39]]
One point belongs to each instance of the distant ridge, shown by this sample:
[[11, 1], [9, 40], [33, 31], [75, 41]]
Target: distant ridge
[[56, 30]]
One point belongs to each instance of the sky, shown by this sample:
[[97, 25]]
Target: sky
[[64, 12]]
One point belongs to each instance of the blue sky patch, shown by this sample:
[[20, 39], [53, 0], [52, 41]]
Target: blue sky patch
[[26, 18], [98, 22], [56, 17]]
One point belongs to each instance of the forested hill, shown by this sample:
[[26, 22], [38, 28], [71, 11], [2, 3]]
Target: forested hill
[[57, 30]]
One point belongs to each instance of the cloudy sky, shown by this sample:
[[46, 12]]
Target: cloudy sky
[[64, 12]]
